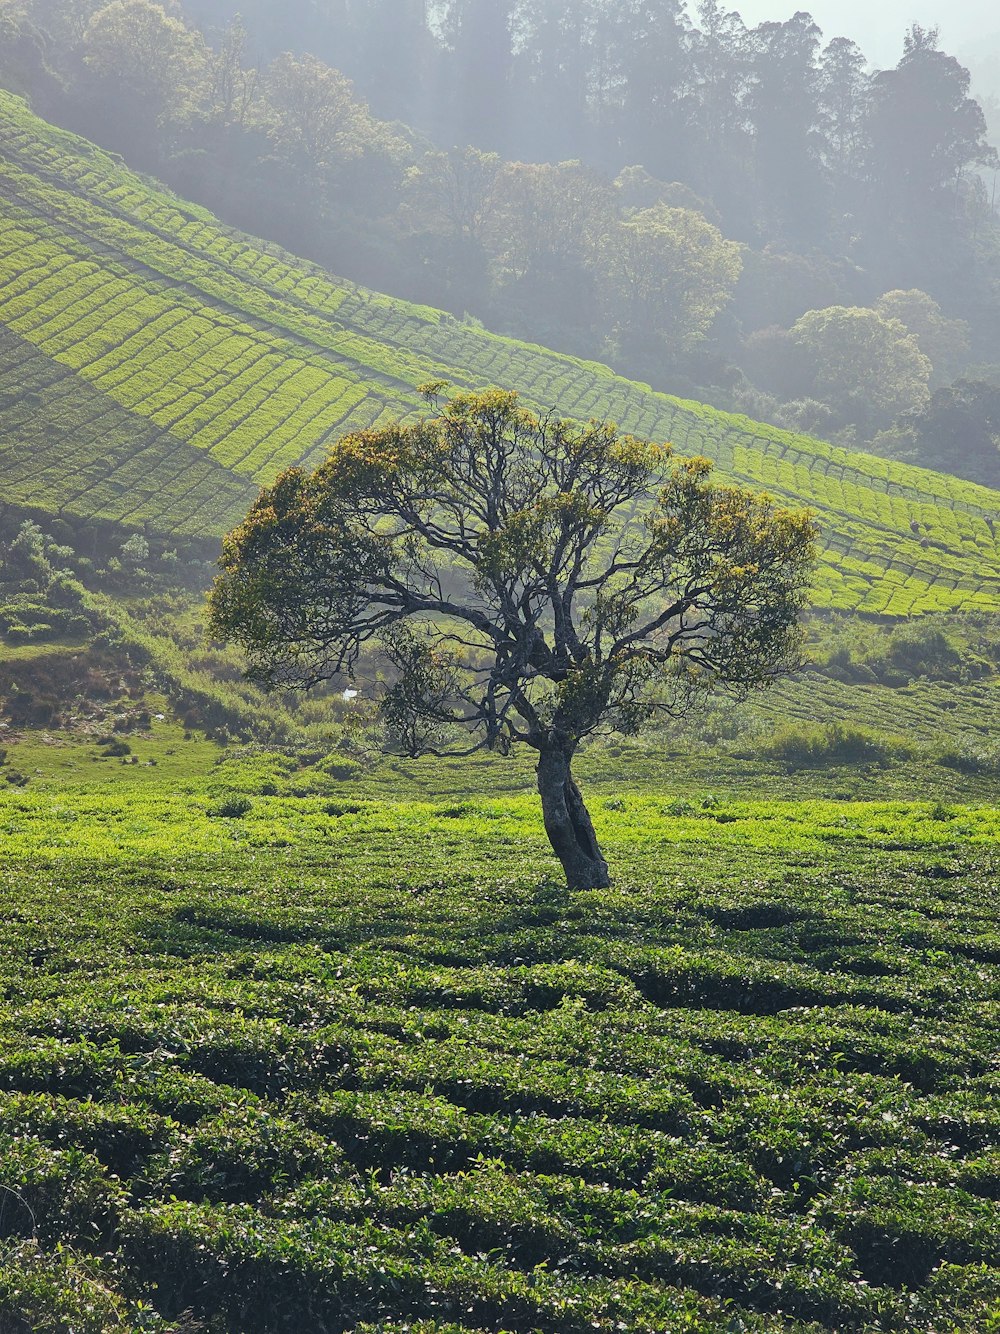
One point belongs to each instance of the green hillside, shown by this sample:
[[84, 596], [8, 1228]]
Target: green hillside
[[156, 367]]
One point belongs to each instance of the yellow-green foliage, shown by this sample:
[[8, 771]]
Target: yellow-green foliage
[[280, 1062], [157, 366]]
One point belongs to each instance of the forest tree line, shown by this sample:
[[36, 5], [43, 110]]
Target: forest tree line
[[749, 215]]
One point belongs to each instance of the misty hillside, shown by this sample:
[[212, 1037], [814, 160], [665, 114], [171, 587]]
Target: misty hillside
[[772, 212], [158, 367]]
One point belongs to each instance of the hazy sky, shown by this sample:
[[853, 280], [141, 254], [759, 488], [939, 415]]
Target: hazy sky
[[878, 25]]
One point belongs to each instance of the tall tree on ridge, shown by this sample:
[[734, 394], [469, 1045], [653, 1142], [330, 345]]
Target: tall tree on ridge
[[925, 129], [723, 166], [553, 78], [844, 90], [393, 51], [646, 98], [784, 108], [479, 64]]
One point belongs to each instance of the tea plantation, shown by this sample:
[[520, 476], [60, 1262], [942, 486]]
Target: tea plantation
[[278, 1059], [157, 367], [320, 1045]]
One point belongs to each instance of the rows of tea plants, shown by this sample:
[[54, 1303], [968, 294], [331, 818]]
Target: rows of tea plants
[[67, 447], [238, 351], [926, 713], [251, 398], [286, 1062]]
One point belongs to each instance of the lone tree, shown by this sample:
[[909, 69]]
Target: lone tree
[[527, 580]]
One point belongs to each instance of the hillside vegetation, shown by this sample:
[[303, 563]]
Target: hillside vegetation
[[158, 367]]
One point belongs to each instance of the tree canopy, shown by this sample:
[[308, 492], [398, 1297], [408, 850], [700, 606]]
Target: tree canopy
[[867, 367], [145, 57], [957, 431], [944, 342], [525, 579], [924, 128], [668, 272]]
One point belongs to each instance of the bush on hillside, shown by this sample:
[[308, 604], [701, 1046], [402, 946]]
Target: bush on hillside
[[924, 650], [803, 747], [232, 808], [115, 747], [910, 651], [340, 766], [968, 758]]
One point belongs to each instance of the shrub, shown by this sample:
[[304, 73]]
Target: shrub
[[922, 650], [832, 743], [249, 770], [339, 808], [968, 759], [42, 1293], [678, 807], [64, 592], [340, 767], [232, 808], [136, 550]]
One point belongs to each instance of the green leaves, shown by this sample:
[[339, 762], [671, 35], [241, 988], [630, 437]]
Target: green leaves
[[419, 706], [379, 1074], [668, 270], [296, 580], [548, 580]]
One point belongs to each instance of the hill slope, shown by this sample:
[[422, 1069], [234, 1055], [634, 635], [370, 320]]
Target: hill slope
[[156, 367]]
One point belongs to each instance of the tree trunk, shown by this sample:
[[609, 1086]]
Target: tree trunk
[[567, 823]]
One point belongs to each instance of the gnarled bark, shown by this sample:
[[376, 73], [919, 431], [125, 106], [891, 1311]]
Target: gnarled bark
[[568, 823]]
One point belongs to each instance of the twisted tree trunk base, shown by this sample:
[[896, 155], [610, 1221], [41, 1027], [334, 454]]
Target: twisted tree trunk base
[[568, 824]]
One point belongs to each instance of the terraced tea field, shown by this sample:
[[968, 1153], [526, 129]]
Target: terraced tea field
[[328, 1063], [156, 367]]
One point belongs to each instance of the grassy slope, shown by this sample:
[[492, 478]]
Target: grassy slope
[[156, 367]]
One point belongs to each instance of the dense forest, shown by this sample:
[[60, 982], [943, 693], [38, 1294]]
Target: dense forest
[[746, 215]]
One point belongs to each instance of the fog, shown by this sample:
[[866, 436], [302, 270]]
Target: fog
[[878, 28]]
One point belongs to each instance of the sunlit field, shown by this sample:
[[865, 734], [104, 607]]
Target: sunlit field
[[338, 1061]]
